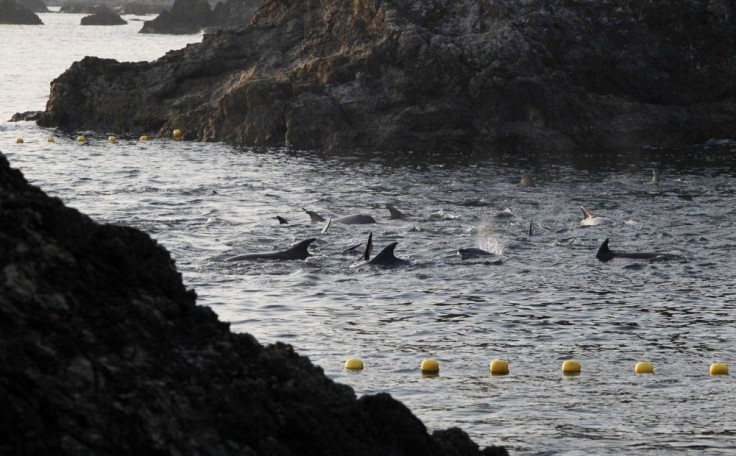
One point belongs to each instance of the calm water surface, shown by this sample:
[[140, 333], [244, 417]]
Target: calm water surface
[[549, 301]]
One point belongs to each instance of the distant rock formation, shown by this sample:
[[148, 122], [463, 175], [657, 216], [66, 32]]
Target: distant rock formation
[[434, 76], [13, 13], [103, 18], [37, 6], [140, 9], [104, 351], [192, 16], [185, 17]]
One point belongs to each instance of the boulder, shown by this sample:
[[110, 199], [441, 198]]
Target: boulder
[[13, 13], [433, 76], [104, 351], [103, 18], [185, 17]]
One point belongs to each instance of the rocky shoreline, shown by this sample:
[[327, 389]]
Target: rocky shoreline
[[432, 76], [104, 351]]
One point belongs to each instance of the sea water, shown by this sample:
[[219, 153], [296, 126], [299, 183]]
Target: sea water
[[550, 300]]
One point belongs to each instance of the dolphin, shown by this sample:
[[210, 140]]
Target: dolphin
[[655, 177], [606, 254], [589, 220], [395, 213], [357, 219], [298, 251], [282, 221], [314, 217], [473, 252], [385, 257], [526, 181]]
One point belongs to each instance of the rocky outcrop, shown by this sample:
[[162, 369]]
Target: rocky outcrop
[[185, 17], [103, 18], [433, 76], [37, 6], [140, 9], [13, 13], [104, 351]]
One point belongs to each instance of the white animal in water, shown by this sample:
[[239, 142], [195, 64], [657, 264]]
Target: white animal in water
[[589, 220]]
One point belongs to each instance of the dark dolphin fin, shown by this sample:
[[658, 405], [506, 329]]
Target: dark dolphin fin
[[282, 221], [531, 223], [604, 253], [386, 257], [395, 213], [300, 250], [368, 247]]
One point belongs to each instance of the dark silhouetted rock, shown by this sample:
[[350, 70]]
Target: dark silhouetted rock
[[435, 76], [186, 16], [104, 351], [26, 116], [37, 6], [103, 18], [13, 13]]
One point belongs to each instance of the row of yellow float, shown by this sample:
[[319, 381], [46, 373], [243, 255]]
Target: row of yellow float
[[176, 134], [501, 367]]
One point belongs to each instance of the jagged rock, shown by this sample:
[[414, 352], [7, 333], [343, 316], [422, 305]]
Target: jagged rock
[[37, 6], [104, 351], [26, 116], [186, 16], [13, 13], [103, 18], [433, 76], [233, 13]]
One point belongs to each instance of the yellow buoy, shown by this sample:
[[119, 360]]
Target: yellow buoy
[[50, 139], [19, 140], [499, 367], [643, 367], [81, 138], [112, 139], [354, 364], [570, 366], [177, 134], [144, 138], [430, 366], [718, 369]]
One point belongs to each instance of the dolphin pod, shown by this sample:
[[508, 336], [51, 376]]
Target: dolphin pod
[[298, 251]]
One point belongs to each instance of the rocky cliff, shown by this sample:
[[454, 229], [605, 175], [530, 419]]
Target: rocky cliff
[[435, 76], [104, 351], [192, 16]]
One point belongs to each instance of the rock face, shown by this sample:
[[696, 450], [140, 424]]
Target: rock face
[[103, 18], [433, 76], [103, 351], [13, 13], [185, 17]]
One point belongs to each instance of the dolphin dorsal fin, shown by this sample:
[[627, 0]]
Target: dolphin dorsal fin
[[603, 249], [368, 247], [526, 181], [302, 247], [531, 223], [386, 256], [586, 214], [313, 216], [327, 227], [655, 177], [395, 213], [282, 221]]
